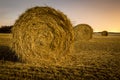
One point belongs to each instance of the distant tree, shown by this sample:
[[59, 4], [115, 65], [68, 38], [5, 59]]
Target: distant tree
[[5, 29], [104, 33]]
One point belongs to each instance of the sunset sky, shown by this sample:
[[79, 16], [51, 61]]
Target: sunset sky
[[99, 14]]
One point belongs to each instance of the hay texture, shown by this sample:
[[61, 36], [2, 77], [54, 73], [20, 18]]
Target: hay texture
[[41, 33], [104, 33], [83, 32]]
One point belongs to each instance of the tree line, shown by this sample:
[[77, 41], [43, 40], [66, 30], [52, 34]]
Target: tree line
[[5, 29]]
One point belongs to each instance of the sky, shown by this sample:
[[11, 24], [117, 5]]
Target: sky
[[99, 14]]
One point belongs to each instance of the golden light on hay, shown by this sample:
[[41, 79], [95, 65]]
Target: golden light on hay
[[83, 32], [42, 33]]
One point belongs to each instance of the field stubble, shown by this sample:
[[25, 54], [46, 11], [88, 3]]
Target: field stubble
[[97, 59]]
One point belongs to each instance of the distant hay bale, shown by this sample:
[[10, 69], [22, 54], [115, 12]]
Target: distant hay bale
[[83, 32], [104, 33], [41, 33]]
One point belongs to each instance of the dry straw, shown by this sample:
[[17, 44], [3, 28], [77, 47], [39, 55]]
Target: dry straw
[[83, 32], [41, 34], [104, 33]]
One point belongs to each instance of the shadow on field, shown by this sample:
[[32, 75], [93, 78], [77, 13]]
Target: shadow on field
[[6, 54]]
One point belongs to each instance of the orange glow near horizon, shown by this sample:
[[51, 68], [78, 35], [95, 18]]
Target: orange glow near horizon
[[99, 14]]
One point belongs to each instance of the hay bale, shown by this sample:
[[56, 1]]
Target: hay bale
[[42, 33], [83, 32], [104, 33]]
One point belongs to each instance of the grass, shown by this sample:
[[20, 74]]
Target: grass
[[97, 59], [5, 39]]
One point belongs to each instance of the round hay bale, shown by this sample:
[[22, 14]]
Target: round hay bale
[[104, 33], [83, 32], [42, 33]]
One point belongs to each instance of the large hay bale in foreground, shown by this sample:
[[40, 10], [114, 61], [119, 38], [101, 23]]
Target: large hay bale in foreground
[[42, 33], [104, 33], [83, 32]]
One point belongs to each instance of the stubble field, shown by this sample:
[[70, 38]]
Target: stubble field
[[96, 59]]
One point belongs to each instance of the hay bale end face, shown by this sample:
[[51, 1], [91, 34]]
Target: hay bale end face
[[41, 33], [83, 32], [104, 33]]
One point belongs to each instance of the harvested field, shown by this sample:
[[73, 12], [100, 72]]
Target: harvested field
[[97, 59]]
